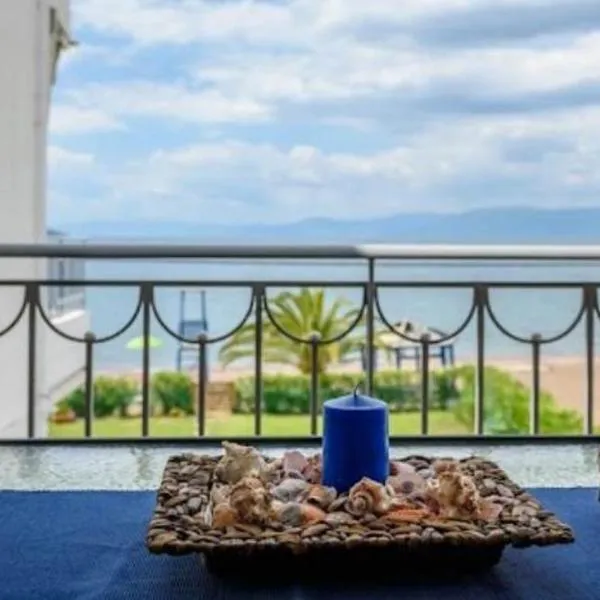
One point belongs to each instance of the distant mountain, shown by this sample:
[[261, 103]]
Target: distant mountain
[[496, 226]]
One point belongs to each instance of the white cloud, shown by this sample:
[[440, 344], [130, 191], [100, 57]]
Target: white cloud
[[350, 108], [174, 100], [78, 120], [59, 158]]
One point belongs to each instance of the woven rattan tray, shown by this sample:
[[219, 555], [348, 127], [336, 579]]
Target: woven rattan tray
[[178, 527]]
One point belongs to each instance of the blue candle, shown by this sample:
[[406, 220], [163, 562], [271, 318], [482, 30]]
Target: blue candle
[[355, 441]]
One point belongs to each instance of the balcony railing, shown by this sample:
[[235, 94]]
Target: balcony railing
[[370, 313]]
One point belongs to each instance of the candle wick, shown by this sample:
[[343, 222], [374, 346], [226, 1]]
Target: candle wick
[[356, 391]]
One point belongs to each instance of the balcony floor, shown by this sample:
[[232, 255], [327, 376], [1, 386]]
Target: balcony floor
[[64, 467]]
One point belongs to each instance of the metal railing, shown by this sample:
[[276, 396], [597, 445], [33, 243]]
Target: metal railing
[[370, 311]]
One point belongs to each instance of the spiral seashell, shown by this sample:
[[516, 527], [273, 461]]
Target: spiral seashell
[[239, 462], [368, 496]]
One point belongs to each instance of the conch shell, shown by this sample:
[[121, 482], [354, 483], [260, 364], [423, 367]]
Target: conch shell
[[239, 462], [368, 496], [251, 500], [454, 492]]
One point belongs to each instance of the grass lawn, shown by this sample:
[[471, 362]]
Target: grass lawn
[[440, 422]]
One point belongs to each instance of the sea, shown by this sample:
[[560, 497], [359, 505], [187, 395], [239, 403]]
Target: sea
[[522, 312]]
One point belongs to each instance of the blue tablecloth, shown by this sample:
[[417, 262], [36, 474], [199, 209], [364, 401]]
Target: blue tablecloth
[[90, 545]]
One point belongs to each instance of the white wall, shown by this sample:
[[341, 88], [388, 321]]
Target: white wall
[[65, 360], [25, 84]]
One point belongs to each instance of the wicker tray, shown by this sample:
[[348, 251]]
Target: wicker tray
[[178, 527]]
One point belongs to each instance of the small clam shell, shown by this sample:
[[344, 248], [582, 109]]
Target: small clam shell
[[339, 518], [294, 514], [290, 490], [311, 513], [400, 468], [293, 460], [488, 510], [411, 515], [406, 483]]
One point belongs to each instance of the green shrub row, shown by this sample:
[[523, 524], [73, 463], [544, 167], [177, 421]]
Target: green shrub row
[[506, 402], [112, 396], [290, 395], [173, 392]]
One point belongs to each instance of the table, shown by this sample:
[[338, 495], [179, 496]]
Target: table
[[74, 523]]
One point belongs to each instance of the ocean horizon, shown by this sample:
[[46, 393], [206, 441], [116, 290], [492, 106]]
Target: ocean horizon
[[523, 312]]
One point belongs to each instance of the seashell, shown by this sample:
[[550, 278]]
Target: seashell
[[295, 461], [294, 475], [274, 470], [219, 494], [410, 515], [223, 516], [445, 466], [400, 468], [251, 500], [339, 518], [488, 510], [290, 490], [313, 470], [311, 513], [239, 462], [320, 495], [407, 483], [368, 496], [454, 492], [294, 514]]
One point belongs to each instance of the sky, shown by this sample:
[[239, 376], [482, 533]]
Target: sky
[[278, 110]]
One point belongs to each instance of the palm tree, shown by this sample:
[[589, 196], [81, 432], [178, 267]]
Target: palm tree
[[302, 314]]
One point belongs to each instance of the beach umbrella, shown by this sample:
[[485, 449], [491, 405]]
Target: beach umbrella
[[138, 343]]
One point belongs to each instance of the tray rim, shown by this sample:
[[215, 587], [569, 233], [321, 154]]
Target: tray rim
[[410, 541]]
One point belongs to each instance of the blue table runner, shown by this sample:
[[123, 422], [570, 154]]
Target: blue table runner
[[90, 546]]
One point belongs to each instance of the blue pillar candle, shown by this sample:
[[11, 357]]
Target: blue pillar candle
[[355, 441]]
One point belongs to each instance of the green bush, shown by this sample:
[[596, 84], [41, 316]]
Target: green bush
[[506, 405], [289, 395], [112, 395], [173, 392]]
